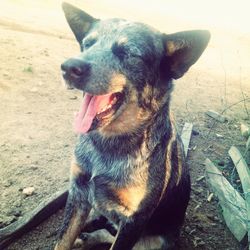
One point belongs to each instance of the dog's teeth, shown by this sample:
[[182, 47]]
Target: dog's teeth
[[114, 100], [107, 107], [104, 109]]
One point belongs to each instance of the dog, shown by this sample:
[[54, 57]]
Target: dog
[[128, 176]]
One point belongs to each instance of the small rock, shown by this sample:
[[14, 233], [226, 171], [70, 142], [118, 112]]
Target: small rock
[[219, 136], [28, 191], [245, 131], [221, 163], [200, 178], [195, 132], [210, 197], [215, 115], [73, 97]]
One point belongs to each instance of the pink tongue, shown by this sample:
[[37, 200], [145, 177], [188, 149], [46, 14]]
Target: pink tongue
[[91, 105]]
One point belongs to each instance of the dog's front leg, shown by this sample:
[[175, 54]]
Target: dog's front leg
[[129, 232], [76, 211]]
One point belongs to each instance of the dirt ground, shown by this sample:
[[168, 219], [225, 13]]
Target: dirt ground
[[37, 140]]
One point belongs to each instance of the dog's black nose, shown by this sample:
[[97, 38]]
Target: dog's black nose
[[75, 68]]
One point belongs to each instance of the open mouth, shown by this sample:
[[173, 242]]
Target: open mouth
[[95, 109]]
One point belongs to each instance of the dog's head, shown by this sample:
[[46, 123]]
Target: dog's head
[[125, 70]]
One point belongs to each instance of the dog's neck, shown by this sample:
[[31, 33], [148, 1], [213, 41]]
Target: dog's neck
[[151, 133]]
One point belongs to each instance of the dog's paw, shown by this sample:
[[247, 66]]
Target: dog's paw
[[88, 241], [79, 243]]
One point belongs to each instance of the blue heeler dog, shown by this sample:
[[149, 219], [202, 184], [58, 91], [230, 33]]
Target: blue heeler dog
[[129, 185]]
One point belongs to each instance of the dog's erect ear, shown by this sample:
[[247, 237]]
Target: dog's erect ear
[[183, 49], [79, 21]]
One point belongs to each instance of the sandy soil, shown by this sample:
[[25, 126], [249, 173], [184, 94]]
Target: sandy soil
[[36, 139]]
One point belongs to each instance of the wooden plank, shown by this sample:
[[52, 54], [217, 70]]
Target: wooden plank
[[186, 136], [231, 202], [32, 219], [244, 174]]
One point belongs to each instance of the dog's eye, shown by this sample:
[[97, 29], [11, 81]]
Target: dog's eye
[[88, 43], [119, 50]]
